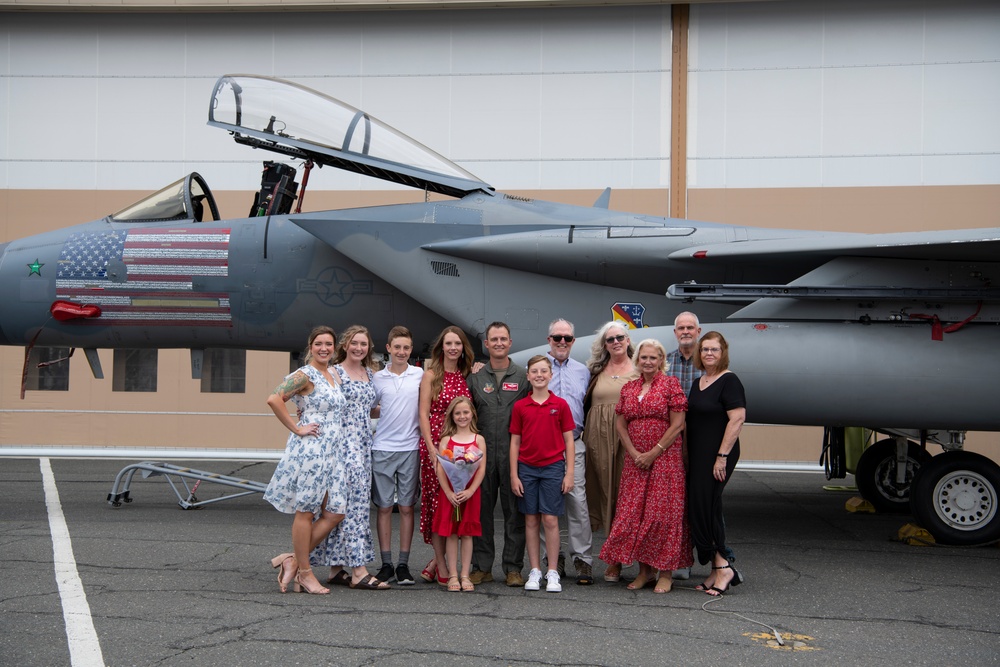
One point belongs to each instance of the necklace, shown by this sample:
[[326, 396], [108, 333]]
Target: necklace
[[617, 370], [353, 374], [397, 380], [706, 380]]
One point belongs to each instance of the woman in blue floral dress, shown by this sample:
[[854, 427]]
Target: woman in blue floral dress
[[350, 544], [307, 481]]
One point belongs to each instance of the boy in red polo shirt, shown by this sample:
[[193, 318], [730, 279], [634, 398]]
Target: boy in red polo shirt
[[541, 467]]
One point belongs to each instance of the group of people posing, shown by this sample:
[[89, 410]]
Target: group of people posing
[[638, 443]]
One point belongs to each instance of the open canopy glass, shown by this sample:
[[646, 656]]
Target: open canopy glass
[[293, 120]]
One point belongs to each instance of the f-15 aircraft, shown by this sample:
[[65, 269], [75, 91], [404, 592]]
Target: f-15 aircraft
[[896, 332]]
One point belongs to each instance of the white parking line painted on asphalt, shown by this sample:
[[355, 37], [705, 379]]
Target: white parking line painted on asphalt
[[84, 648]]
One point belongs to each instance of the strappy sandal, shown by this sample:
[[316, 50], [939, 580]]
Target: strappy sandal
[[737, 575], [613, 573], [286, 570], [467, 585], [311, 588], [370, 583], [453, 585], [737, 579], [429, 573]]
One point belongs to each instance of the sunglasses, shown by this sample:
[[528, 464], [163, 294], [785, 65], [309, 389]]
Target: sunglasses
[[615, 339], [558, 338]]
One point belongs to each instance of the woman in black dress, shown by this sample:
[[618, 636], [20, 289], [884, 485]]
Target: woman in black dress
[[716, 412]]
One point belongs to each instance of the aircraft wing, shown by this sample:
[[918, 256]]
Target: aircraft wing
[[977, 245], [944, 276]]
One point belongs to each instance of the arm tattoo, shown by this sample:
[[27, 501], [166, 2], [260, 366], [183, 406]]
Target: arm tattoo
[[292, 385]]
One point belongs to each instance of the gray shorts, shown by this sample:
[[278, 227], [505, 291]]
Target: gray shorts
[[394, 478]]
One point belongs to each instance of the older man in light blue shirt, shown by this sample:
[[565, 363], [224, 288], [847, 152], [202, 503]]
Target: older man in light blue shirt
[[570, 379]]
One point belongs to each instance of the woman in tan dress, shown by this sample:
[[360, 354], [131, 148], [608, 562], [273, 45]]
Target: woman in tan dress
[[610, 368]]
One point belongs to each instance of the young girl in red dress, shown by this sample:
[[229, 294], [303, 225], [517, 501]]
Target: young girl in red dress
[[458, 513]]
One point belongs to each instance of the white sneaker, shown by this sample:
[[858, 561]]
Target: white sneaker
[[534, 580], [552, 579]]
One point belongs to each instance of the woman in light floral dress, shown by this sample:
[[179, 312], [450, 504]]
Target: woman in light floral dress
[[307, 481], [350, 544]]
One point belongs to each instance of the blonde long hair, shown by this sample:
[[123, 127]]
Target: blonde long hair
[[345, 340], [448, 427]]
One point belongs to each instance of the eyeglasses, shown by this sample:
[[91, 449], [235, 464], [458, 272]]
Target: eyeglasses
[[558, 338], [711, 350], [615, 339]]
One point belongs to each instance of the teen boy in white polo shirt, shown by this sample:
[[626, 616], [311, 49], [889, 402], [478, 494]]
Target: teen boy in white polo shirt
[[395, 459]]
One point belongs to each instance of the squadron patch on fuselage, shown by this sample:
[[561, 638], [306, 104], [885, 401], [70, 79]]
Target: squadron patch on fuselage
[[629, 314]]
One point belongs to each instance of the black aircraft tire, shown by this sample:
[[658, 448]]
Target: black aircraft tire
[[956, 497], [875, 476]]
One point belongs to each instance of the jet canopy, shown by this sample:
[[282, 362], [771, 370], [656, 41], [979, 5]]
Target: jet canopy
[[181, 200], [293, 120]]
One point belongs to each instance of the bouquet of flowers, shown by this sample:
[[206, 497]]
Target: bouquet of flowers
[[460, 464]]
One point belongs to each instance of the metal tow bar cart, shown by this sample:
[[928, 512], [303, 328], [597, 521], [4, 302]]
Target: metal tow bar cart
[[120, 489]]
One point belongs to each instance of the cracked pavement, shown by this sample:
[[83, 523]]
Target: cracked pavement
[[169, 587]]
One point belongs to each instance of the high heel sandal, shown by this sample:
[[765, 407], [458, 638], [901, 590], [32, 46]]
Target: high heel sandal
[[285, 574], [429, 573], [737, 579], [302, 587]]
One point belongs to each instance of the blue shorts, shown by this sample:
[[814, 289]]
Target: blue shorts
[[542, 488]]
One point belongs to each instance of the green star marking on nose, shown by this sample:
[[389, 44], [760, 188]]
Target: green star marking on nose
[[35, 268]]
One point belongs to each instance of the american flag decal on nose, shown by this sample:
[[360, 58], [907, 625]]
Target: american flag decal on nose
[[163, 269]]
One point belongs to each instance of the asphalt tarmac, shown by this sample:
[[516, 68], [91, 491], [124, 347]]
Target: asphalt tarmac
[[165, 586]]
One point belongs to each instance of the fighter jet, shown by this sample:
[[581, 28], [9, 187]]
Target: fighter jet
[[896, 332]]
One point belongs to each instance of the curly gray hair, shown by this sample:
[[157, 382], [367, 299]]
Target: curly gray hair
[[599, 355]]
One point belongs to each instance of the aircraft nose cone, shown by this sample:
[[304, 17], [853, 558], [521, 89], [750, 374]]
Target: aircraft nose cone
[[3, 339]]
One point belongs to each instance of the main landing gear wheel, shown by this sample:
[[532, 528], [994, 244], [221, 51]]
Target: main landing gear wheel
[[875, 475], [956, 497]]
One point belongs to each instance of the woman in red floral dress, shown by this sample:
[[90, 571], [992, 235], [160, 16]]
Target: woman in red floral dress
[[443, 380], [650, 524]]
